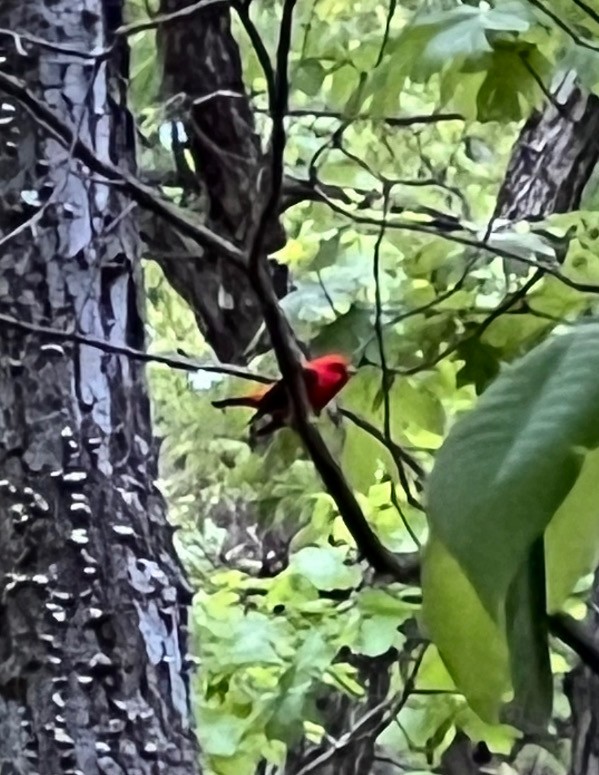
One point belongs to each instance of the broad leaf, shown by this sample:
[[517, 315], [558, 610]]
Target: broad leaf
[[508, 465], [325, 568], [526, 626], [572, 538], [470, 643]]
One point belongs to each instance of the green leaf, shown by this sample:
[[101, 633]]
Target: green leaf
[[325, 568], [381, 614], [220, 731], [527, 635], [471, 644], [347, 333], [507, 466], [362, 457], [308, 77], [500, 738], [464, 31], [572, 538], [252, 639], [497, 99]]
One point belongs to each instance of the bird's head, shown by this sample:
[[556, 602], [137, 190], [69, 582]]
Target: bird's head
[[335, 364]]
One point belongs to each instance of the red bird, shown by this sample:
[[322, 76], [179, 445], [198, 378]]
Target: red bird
[[324, 378]]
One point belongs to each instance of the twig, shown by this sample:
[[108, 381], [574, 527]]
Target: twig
[[393, 121], [371, 724], [243, 11], [389, 19], [577, 637], [125, 30], [175, 362], [507, 303], [278, 139], [448, 233], [398, 454], [327, 295], [563, 26], [587, 9], [386, 375]]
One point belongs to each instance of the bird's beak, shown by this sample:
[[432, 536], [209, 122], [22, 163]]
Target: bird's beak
[[352, 371]]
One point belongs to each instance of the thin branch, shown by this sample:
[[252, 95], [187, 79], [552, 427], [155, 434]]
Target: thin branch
[[140, 193], [386, 375], [577, 637], [243, 12], [163, 19], [402, 568], [447, 232], [327, 295], [371, 724], [539, 81], [174, 362], [594, 15], [499, 310], [563, 26], [457, 286], [389, 19], [278, 138], [397, 452], [126, 30], [393, 121]]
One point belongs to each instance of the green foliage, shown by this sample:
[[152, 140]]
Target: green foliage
[[510, 471], [504, 472]]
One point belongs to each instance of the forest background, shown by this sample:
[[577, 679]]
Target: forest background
[[416, 183]]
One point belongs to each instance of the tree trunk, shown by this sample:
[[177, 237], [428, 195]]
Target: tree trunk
[[224, 188], [553, 158], [92, 623]]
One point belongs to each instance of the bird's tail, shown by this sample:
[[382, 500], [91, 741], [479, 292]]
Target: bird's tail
[[223, 403]]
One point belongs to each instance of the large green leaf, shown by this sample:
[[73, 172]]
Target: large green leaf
[[325, 567], [465, 30], [471, 644], [527, 636], [572, 538], [508, 465]]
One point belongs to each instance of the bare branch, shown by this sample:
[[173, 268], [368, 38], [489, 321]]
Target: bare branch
[[563, 26], [371, 724], [175, 362], [126, 30], [394, 121]]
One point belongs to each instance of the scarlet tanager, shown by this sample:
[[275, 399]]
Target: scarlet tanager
[[324, 378]]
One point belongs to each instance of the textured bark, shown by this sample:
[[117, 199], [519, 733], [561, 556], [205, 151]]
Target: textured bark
[[553, 158], [202, 64], [92, 630]]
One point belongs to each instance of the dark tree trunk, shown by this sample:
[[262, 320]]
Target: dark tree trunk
[[553, 158], [226, 189], [92, 598]]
